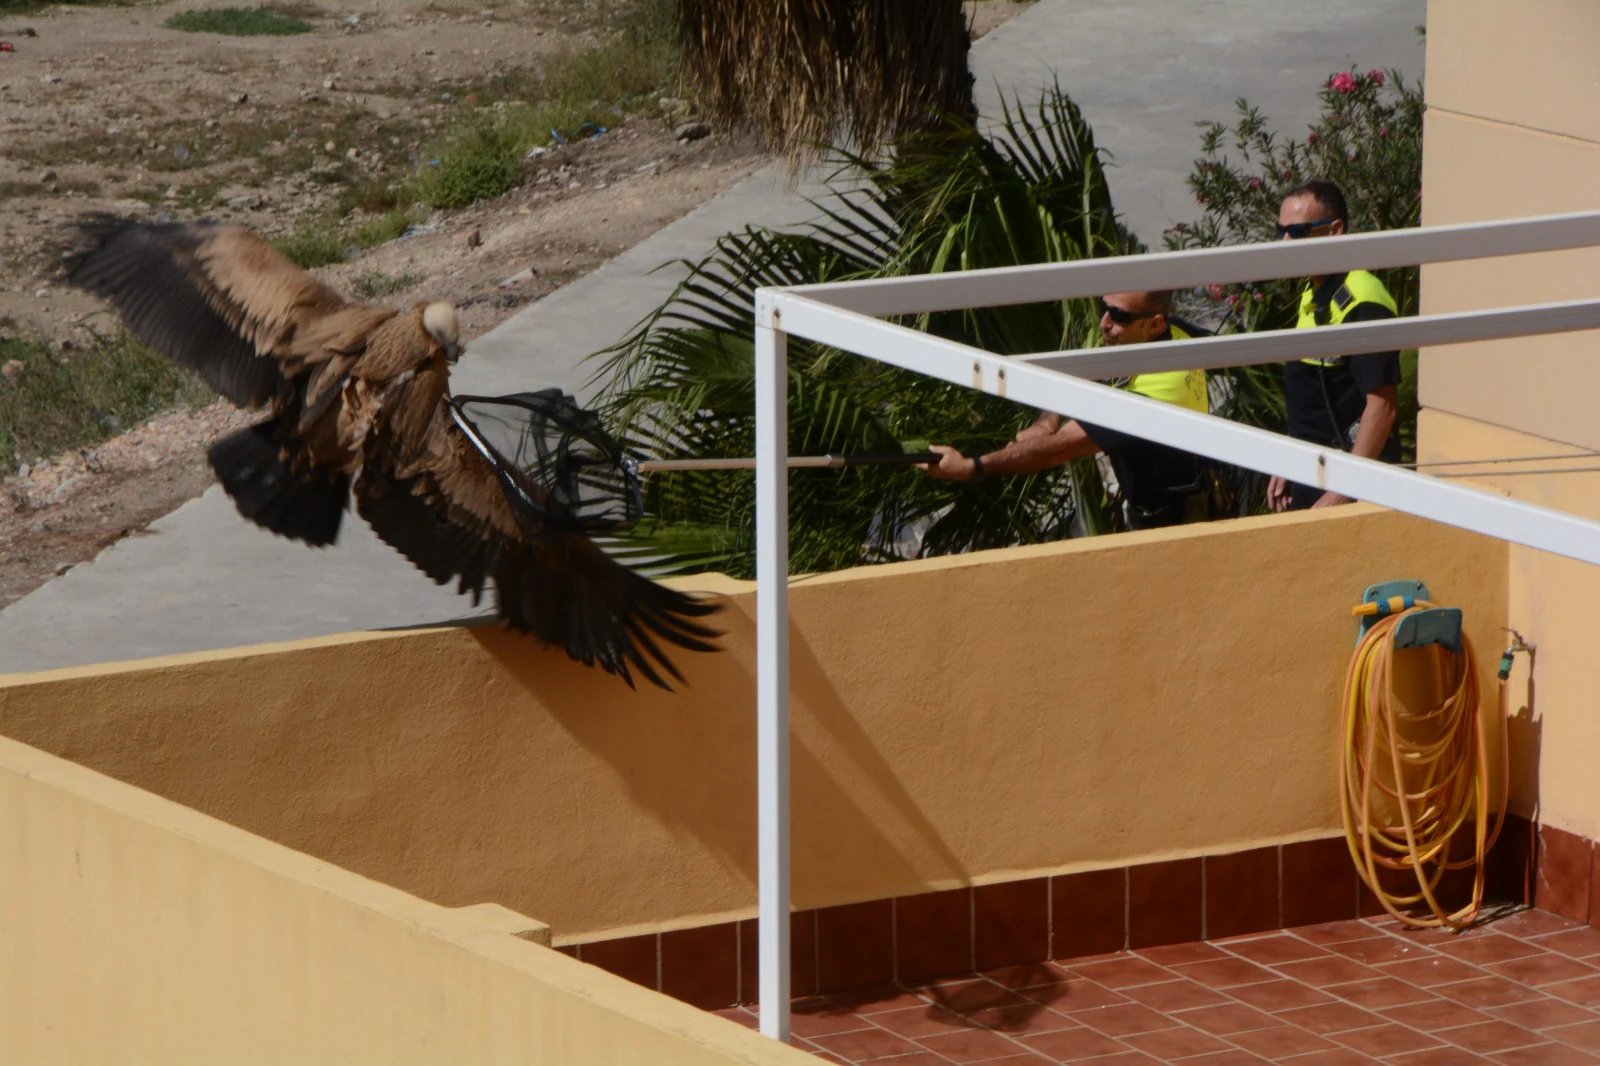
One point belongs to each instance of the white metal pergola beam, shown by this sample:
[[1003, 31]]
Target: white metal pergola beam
[[1046, 282], [840, 315]]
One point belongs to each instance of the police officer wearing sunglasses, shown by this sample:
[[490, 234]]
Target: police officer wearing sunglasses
[[1159, 485], [1346, 402]]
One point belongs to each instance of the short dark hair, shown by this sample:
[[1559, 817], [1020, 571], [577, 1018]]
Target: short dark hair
[[1326, 194], [1160, 300]]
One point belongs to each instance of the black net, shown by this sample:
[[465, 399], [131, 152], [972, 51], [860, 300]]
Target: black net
[[554, 457]]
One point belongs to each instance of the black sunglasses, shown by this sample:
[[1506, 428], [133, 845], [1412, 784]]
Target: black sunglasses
[[1296, 230], [1120, 315]]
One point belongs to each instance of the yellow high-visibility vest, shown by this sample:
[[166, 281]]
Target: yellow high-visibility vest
[[1360, 287], [1186, 388]]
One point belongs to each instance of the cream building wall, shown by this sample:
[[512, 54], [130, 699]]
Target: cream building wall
[[963, 720], [1513, 129]]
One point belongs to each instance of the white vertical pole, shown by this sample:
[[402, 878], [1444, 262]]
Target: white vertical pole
[[772, 667]]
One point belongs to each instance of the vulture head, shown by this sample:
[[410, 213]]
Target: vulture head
[[440, 320]]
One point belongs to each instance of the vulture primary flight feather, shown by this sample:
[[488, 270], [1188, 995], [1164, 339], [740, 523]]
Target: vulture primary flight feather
[[357, 400]]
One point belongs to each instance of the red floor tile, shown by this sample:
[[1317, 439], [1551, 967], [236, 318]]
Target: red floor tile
[[1225, 973], [1169, 996], [1030, 975], [1334, 932], [1074, 1045], [1376, 949], [1531, 923], [983, 995], [1310, 1000], [915, 1022], [973, 1045], [1123, 1019], [1546, 1055], [1332, 970], [812, 1018], [1029, 1018], [1385, 1040], [1122, 972], [739, 1015], [1585, 1035], [1584, 992], [1382, 992], [1169, 1044], [1230, 1018], [1075, 995], [1275, 950], [864, 1045], [1331, 1018], [1341, 1056], [1488, 1037], [1182, 954], [1438, 1056], [1546, 968], [1280, 1042], [1427, 972], [875, 1000], [1436, 1014], [1483, 950], [1542, 1013], [1279, 995], [1579, 943], [1487, 992]]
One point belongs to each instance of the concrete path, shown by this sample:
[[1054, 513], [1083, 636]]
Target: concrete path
[[1147, 73]]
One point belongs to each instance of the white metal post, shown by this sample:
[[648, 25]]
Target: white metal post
[[772, 666]]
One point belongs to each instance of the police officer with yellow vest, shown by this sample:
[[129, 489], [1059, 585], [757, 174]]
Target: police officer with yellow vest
[[1345, 402], [1159, 485]]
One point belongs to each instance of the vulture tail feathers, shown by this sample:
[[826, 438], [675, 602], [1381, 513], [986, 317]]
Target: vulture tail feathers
[[258, 479]]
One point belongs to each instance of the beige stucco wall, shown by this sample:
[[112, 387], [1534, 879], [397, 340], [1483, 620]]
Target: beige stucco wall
[[960, 720], [1513, 129], [134, 931]]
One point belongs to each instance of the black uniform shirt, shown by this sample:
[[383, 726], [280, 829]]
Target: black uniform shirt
[[1325, 403]]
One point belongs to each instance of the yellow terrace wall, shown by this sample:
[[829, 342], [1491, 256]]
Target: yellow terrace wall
[[956, 721], [1512, 129], [134, 931]]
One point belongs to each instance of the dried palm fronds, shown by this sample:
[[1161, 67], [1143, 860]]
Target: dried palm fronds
[[805, 71]]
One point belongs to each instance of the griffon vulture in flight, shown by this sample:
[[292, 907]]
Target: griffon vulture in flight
[[357, 403]]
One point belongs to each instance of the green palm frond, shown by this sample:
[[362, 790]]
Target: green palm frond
[[682, 383]]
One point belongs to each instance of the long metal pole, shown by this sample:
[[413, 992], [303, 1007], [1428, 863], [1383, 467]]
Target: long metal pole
[[1442, 500], [772, 667], [832, 461]]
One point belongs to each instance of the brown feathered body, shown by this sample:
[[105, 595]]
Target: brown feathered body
[[356, 403]]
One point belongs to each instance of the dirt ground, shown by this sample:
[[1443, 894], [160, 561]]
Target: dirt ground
[[105, 109]]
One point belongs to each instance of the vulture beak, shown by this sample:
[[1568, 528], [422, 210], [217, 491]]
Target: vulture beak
[[452, 352]]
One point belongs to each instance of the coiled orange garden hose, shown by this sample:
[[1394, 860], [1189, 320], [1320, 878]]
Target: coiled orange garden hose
[[1410, 778]]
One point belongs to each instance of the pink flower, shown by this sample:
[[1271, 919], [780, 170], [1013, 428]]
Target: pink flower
[[1199, 199], [1215, 291], [1384, 132], [1311, 139], [1342, 82], [1376, 76], [1233, 298], [1255, 183], [1258, 297]]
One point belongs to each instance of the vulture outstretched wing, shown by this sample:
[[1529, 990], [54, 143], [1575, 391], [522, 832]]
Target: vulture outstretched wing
[[219, 300], [466, 510]]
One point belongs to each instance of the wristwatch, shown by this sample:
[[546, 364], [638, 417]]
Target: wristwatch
[[977, 468]]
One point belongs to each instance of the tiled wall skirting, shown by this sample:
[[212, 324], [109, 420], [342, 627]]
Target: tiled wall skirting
[[912, 938]]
